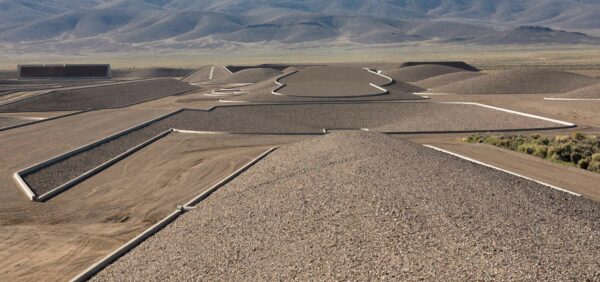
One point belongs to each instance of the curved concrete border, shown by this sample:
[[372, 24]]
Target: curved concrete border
[[378, 87], [501, 169], [124, 249], [571, 99], [390, 80]]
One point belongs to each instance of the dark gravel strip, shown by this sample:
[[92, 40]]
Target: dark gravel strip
[[100, 97], [11, 121], [367, 207]]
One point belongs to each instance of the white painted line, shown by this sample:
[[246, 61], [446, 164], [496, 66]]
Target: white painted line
[[112, 257], [190, 205], [212, 71], [571, 99], [232, 101], [512, 112], [501, 169]]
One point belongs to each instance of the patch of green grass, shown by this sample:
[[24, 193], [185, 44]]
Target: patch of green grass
[[576, 149]]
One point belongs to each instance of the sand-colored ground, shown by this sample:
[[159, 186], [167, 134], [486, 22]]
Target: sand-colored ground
[[55, 240]]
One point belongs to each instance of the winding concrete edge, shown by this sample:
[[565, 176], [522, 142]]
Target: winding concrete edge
[[130, 245], [502, 170], [21, 173], [281, 85], [390, 80]]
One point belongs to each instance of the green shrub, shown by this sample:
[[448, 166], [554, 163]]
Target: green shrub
[[594, 163], [541, 151]]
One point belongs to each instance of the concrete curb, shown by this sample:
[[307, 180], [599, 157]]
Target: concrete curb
[[46, 196], [281, 85], [390, 80], [501, 169], [568, 124], [20, 174], [571, 99], [127, 247], [112, 257], [192, 203]]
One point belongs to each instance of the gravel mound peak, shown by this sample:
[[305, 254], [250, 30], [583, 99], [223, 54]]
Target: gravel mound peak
[[354, 205]]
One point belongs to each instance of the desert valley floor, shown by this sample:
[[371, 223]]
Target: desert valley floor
[[305, 172]]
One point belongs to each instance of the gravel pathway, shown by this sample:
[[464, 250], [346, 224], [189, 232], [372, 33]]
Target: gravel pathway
[[363, 206]]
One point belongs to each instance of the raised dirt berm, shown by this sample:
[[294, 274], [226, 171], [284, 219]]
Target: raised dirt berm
[[419, 72], [332, 81], [100, 97], [520, 81], [445, 79], [249, 75], [454, 64], [586, 93], [65, 71], [359, 205], [278, 67]]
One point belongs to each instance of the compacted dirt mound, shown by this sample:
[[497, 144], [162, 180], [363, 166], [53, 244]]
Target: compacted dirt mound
[[591, 92], [520, 81], [251, 75], [419, 72], [454, 64], [445, 79], [364, 206]]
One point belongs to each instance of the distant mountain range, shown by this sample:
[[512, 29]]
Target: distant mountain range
[[111, 25]]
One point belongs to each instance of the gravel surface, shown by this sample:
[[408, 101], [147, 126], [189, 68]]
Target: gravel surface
[[332, 82], [363, 206], [419, 72], [520, 81], [445, 79], [591, 92], [110, 96], [294, 119]]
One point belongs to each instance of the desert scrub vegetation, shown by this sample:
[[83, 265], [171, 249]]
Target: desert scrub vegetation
[[576, 149]]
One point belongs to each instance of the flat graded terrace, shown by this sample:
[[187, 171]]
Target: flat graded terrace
[[290, 119], [101, 97], [54, 241], [332, 82], [362, 205]]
